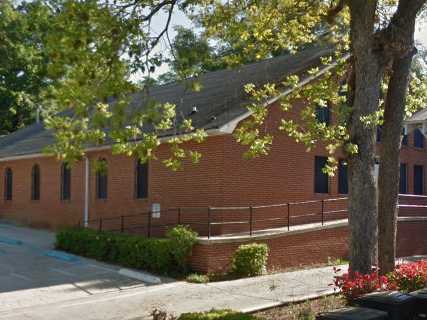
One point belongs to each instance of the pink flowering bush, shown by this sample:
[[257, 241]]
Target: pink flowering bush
[[355, 285], [408, 277]]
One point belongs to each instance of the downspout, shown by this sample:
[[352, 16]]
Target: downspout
[[86, 198]]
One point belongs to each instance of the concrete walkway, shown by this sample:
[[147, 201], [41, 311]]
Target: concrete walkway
[[137, 303], [35, 285]]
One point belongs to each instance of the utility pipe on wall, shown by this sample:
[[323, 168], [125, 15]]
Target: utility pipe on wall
[[86, 198]]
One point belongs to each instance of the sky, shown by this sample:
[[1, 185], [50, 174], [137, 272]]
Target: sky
[[421, 33], [179, 19]]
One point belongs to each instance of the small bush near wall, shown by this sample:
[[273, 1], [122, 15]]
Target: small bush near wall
[[164, 256], [250, 260], [182, 240]]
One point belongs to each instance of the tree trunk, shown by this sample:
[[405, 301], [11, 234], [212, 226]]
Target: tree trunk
[[388, 182], [401, 37], [368, 73]]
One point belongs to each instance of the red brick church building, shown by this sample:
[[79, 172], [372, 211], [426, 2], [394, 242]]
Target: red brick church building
[[39, 191]]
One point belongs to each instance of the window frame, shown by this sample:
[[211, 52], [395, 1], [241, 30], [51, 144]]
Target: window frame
[[406, 178], [8, 184], [379, 133], [418, 132], [340, 180], [63, 195], [35, 182], [422, 179], [137, 193], [404, 137], [323, 112], [102, 193], [317, 191]]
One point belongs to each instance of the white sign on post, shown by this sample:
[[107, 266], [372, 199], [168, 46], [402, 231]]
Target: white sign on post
[[155, 210]]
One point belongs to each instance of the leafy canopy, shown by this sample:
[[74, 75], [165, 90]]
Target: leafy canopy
[[23, 63], [94, 47]]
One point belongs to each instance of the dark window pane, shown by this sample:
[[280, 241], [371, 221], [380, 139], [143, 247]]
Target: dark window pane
[[321, 181], [323, 114], [418, 179], [404, 137], [342, 177], [8, 181], [403, 183], [379, 130], [35, 183], [102, 180], [65, 182], [141, 180], [418, 139]]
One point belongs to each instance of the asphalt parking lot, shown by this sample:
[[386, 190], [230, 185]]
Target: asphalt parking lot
[[33, 273]]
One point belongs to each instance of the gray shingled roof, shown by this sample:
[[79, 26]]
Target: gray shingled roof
[[419, 116], [221, 99]]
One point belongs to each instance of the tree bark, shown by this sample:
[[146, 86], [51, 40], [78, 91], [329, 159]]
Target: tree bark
[[388, 182], [399, 39], [371, 52], [368, 72]]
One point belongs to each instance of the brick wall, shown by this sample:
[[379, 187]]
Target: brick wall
[[222, 178], [50, 211], [311, 247]]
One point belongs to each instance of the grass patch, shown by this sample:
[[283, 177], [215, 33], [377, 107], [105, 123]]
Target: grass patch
[[218, 315], [197, 278]]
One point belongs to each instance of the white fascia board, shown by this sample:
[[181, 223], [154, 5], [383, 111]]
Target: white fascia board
[[210, 132]]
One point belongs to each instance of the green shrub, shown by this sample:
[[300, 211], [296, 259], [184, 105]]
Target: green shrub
[[182, 240], [197, 278], [163, 256], [217, 315], [250, 259]]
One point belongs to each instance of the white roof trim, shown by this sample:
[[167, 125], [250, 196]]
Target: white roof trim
[[211, 132]]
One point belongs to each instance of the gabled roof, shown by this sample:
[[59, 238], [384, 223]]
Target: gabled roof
[[221, 100], [418, 117]]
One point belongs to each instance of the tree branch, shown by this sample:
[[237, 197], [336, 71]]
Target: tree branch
[[334, 11], [166, 28], [397, 39]]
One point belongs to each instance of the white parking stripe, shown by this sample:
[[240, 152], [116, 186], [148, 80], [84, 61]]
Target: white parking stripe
[[102, 268], [20, 276], [63, 272]]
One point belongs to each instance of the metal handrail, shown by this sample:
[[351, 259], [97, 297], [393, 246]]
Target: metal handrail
[[127, 222]]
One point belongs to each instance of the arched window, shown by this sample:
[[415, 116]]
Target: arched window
[[141, 180], [102, 179], [8, 180], [65, 182], [35, 182]]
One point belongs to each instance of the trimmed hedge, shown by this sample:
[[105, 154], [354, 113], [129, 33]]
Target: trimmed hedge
[[164, 256], [250, 260], [217, 315]]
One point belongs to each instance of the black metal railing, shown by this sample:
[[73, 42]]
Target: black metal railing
[[220, 221], [210, 221]]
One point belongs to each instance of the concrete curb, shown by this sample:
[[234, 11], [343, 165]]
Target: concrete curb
[[283, 303], [139, 275]]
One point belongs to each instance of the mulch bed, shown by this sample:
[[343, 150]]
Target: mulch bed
[[304, 310]]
